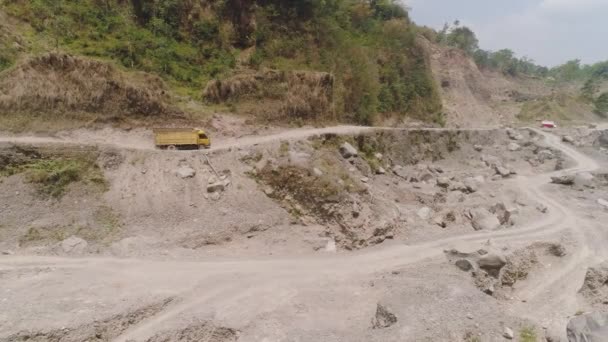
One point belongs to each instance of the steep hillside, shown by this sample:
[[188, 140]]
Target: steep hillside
[[367, 49], [476, 97], [59, 87]]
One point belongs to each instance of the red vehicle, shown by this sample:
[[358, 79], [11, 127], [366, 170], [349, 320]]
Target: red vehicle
[[548, 124]]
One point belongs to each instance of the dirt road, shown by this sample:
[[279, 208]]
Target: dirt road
[[265, 284]]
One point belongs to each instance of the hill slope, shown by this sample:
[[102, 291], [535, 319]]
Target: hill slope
[[369, 48]]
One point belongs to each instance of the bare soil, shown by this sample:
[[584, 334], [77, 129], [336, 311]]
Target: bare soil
[[243, 263]]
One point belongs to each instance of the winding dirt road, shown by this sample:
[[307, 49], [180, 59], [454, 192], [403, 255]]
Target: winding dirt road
[[263, 282]]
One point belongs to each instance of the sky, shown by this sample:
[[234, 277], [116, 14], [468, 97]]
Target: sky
[[550, 32]]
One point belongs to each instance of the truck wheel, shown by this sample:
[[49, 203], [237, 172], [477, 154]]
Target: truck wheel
[[171, 148]]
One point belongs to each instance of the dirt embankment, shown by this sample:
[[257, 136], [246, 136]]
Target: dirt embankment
[[277, 95], [473, 97], [61, 87], [287, 196]]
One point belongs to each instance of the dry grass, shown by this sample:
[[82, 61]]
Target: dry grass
[[72, 89], [305, 95]]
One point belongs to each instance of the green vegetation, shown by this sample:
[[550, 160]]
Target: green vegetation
[[504, 60], [601, 105], [369, 46], [52, 176], [104, 228], [528, 334], [561, 107]]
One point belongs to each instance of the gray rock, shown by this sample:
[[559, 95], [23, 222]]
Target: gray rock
[[508, 333], [544, 155], [501, 212], [437, 169], [491, 161], [185, 172], [217, 186], [299, 159], [458, 186], [74, 245], [317, 172], [381, 170], [563, 180], [514, 147], [602, 140], [568, 139], [513, 135], [425, 176], [347, 150], [482, 219], [492, 263], [502, 171], [383, 318], [424, 213], [464, 264], [440, 222], [471, 184], [401, 172], [591, 327], [378, 156], [364, 179], [443, 182], [602, 202], [478, 148]]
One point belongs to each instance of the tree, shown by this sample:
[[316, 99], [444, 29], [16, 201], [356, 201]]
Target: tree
[[601, 105], [463, 38], [569, 71]]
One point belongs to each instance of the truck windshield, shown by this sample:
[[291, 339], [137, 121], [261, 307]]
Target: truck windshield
[[202, 136]]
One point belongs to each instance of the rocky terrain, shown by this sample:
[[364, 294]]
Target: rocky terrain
[[312, 234]]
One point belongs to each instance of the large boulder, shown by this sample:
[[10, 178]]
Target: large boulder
[[185, 172], [591, 327], [568, 139], [502, 171], [482, 219], [595, 286], [347, 150], [602, 140], [492, 263], [563, 180], [383, 318], [74, 245], [514, 147], [513, 135], [443, 182]]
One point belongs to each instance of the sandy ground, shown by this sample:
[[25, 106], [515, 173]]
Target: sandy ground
[[321, 297]]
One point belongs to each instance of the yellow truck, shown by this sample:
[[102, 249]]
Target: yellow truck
[[181, 138]]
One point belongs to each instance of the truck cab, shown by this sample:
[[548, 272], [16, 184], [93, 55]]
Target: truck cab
[[203, 138]]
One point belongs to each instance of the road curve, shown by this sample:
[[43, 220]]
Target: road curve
[[299, 271]]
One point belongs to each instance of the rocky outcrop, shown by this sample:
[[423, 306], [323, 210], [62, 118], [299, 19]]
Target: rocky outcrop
[[482, 219], [591, 327], [595, 286], [383, 318]]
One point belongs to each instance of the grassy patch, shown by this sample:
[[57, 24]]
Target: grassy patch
[[560, 107], [305, 189], [52, 177], [284, 148], [104, 227], [528, 334]]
